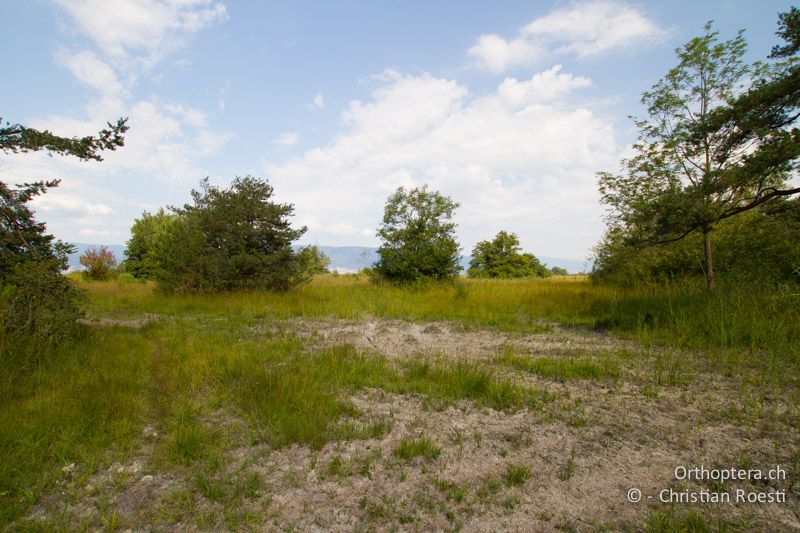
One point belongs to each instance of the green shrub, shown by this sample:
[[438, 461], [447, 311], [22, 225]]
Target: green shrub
[[38, 305], [228, 239]]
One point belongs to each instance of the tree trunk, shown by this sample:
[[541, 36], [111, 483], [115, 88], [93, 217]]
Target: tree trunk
[[709, 261]]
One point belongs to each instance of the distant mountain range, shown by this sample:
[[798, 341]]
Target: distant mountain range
[[345, 258]]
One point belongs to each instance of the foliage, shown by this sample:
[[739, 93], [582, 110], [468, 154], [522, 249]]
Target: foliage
[[687, 176], [559, 271], [140, 257], [228, 239], [500, 258], [38, 306], [99, 263], [312, 261], [16, 138], [759, 246], [418, 237]]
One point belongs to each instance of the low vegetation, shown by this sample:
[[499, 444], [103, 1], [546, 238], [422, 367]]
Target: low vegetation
[[206, 378]]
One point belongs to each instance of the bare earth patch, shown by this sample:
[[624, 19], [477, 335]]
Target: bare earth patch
[[398, 338], [566, 467]]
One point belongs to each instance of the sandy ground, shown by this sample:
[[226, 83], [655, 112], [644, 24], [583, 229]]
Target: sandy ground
[[584, 451]]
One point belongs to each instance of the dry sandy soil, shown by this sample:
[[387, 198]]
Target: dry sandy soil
[[580, 453]]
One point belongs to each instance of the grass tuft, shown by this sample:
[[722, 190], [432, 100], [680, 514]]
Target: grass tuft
[[517, 475], [423, 447]]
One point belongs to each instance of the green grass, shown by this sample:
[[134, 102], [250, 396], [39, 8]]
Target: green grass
[[77, 404], [756, 318], [517, 475], [564, 368], [422, 447], [207, 381]]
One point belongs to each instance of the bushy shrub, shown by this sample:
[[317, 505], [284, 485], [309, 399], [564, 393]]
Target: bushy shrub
[[228, 239], [501, 258], [38, 305], [759, 246], [140, 261], [99, 263], [312, 261]]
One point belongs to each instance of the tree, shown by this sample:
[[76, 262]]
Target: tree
[[501, 258], [312, 261], [559, 271], [761, 245], [38, 305], [761, 123], [98, 262], [687, 176], [418, 237], [140, 259], [235, 238], [16, 138]]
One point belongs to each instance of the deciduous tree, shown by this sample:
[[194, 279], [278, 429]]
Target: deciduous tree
[[687, 176], [501, 258], [418, 237]]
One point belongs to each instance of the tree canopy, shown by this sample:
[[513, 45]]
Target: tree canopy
[[38, 306], [227, 239], [699, 161], [501, 258], [418, 237]]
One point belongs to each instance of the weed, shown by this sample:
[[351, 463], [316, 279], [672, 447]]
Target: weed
[[568, 469], [517, 475], [563, 368], [423, 447], [453, 491]]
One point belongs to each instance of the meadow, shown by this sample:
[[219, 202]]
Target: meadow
[[344, 404]]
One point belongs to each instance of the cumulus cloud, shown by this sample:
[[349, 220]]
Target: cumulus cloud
[[141, 28], [593, 28], [69, 204], [543, 86], [513, 158], [87, 68], [319, 102], [583, 29], [165, 139], [495, 54]]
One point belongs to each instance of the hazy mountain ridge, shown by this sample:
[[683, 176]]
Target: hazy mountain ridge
[[343, 258]]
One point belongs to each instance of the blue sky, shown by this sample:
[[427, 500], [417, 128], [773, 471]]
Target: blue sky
[[508, 107]]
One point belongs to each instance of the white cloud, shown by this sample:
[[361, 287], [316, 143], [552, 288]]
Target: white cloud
[[518, 159], [165, 139], [495, 54], [593, 28], [543, 86], [149, 28], [69, 205], [287, 139], [87, 68], [319, 102], [583, 29]]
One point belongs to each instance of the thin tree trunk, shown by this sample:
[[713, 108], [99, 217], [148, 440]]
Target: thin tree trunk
[[709, 260]]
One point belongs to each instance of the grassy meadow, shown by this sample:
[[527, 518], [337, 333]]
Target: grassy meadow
[[247, 410]]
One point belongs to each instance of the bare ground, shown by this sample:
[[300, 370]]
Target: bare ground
[[583, 451]]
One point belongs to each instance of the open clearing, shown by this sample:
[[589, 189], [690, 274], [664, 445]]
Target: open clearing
[[236, 414]]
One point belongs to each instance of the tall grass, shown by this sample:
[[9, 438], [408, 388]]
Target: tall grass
[[76, 406], [87, 403], [756, 318]]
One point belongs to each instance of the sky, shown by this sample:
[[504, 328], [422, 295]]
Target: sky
[[510, 108]]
